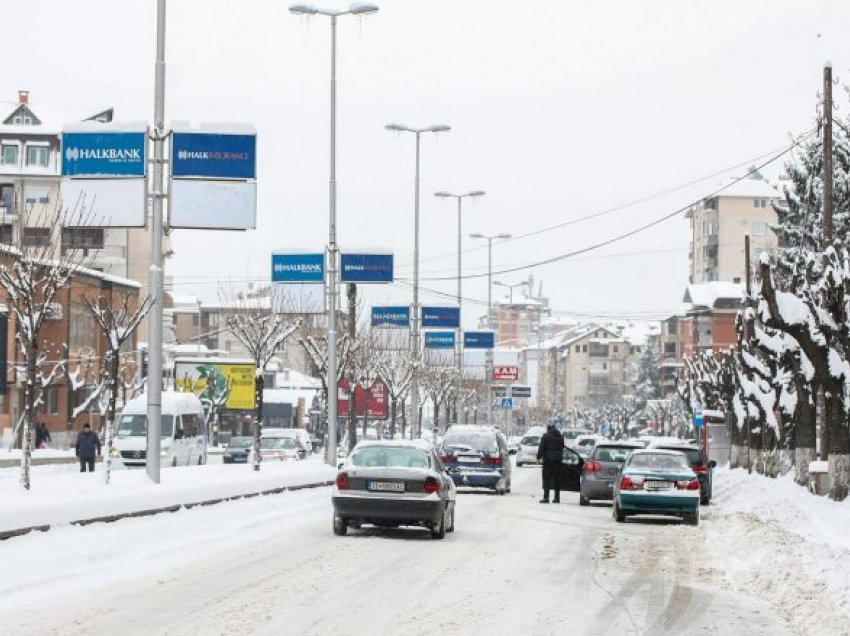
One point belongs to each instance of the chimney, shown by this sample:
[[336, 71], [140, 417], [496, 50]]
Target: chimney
[[23, 97]]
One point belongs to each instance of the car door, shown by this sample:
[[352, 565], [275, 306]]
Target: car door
[[571, 470]]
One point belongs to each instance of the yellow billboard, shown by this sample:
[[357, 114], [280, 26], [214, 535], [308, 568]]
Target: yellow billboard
[[234, 380]]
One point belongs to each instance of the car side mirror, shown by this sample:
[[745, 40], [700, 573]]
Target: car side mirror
[[340, 465], [712, 464]]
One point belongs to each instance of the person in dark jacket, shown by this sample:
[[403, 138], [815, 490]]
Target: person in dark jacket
[[88, 447], [42, 435], [551, 453]]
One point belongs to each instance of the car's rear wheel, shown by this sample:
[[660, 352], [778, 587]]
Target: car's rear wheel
[[582, 500], [451, 525], [340, 527], [692, 519], [438, 530], [519, 464], [619, 515]]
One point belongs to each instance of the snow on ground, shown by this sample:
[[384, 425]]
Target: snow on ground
[[60, 494], [787, 546], [42, 453]]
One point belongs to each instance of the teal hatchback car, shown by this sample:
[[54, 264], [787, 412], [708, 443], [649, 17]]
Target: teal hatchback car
[[657, 482]]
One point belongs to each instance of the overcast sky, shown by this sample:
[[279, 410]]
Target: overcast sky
[[558, 109]]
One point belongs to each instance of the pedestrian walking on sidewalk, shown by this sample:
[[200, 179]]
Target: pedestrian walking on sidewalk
[[551, 453], [42, 435], [88, 448]]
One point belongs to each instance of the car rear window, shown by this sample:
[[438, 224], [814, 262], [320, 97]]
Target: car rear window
[[691, 453], [240, 442], [531, 440], [390, 457], [658, 461], [472, 440], [616, 454]]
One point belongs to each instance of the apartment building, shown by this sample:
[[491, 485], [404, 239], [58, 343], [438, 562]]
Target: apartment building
[[718, 225]]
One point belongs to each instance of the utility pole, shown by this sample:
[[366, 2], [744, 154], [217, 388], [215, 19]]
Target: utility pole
[[827, 154], [352, 381], [746, 335]]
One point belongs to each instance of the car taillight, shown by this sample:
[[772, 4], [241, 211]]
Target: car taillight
[[693, 485], [592, 466], [493, 461], [431, 485], [449, 459], [342, 482], [700, 469], [628, 484]]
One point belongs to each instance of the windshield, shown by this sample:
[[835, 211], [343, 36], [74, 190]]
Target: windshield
[[572, 433], [240, 442], [137, 426], [277, 443], [658, 461], [473, 440], [691, 453], [531, 440], [616, 454], [390, 456]]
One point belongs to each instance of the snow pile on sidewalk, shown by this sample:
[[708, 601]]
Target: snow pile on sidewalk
[[37, 453], [59, 497], [797, 547]]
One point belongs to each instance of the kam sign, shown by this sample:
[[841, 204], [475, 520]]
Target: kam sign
[[505, 373], [298, 268], [441, 317], [391, 316], [479, 339], [206, 155], [366, 268], [104, 154], [439, 339]]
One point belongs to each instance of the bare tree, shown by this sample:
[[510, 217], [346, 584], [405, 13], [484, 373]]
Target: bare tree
[[396, 370], [117, 324]]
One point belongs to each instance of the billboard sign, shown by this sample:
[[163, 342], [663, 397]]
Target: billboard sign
[[391, 316], [213, 205], [366, 267], [479, 339], [441, 317], [104, 154], [233, 379], [506, 373], [374, 401], [103, 202], [210, 155], [439, 339], [298, 268], [520, 391]]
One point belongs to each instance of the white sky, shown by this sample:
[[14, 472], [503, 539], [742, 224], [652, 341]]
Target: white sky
[[557, 108]]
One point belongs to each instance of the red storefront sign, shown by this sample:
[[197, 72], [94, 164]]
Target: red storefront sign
[[376, 397], [506, 373]]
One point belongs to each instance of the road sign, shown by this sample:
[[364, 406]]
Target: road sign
[[206, 155], [479, 339], [391, 316], [439, 339], [441, 317], [298, 268], [698, 419], [366, 267], [520, 391], [104, 154], [506, 402], [498, 390], [505, 373]]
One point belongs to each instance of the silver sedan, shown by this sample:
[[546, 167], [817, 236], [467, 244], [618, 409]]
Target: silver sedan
[[394, 483]]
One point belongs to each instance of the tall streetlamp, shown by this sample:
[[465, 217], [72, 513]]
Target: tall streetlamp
[[332, 287], [459, 344], [510, 288], [488, 372], [414, 380]]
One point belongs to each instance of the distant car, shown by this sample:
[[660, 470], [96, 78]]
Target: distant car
[[477, 457], [704, 469], [513, 444], [279, 449], [391, 483], [237, 451], [583, 444], [572, 434], [528, 445], [602, 469], [657, 482]]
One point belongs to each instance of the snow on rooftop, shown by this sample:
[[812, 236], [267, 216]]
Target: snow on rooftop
[[172, 401], [750, 188], [708, 294]]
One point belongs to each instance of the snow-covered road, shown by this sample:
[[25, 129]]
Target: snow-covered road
[[272, 566]]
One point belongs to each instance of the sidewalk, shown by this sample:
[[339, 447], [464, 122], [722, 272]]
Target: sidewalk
[[61, 497]]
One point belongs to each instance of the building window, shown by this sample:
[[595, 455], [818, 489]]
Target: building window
[[10, 155], [759, 203], [195, 322], [616, 348], [84, 238], [758, 228], [35, 237], [737, 279], [670, 348], [6, 234], [578, 348], [709, 228], [36, 195], [584, 348], [37, 155], [22, 120]]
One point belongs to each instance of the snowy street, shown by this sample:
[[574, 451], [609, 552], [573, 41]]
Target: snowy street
[[271, 565]]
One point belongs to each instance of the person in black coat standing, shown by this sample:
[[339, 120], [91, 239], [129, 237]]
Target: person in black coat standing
[[551, 453], [88, 447]]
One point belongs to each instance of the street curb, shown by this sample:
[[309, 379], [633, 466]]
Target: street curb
[[17, 532]]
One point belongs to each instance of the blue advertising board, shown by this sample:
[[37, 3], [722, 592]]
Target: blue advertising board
[[213, 156], [104, 154], [391, 316], [441, 317], [298, 268], [479, 339], [439, 339], [366, 268]]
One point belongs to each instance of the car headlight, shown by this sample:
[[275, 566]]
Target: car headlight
[[115, 453], [163, 452]]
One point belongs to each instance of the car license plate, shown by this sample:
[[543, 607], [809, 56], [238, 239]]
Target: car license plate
[[468, 459], [656, 485], [385, 486]]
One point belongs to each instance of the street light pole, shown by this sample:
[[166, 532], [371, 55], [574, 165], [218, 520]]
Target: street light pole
[[332, 291], [459, 336], [414, 379], [488, 372]]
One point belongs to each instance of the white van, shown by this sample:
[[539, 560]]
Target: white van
[[184, 436]]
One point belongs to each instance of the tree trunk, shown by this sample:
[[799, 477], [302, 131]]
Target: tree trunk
[[805, 432], [29, 414], [110, 417], [404, 418], [436, 412], [259, 383], [352, 417], [839, 446], [393, 405]]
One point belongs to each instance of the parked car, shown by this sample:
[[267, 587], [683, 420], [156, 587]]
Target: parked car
[[657, 482], [237, 451], [583, 444], [300, 434], [391, 483], [478, 457], [279, 449], [602, 469], [528, 445], [696, 459], [570, 477]]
